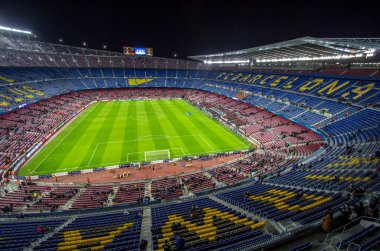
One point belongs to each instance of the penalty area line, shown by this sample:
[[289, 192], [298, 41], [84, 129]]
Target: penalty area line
[[206, 142]]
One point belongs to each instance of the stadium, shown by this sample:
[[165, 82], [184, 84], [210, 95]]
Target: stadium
[[274, 147]]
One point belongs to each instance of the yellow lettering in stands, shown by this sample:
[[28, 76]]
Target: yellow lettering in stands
[[288, 85], [221, 75], [39, 93], [228, 75], [360, 90], [73, 238], [139, 81], [208, 229], [20, 92], [264, 81], [236, 76], [255, 78], [4, 103], [7, 79], [332, 87], [310, 85], [245, 78], [5, 97], [278, 80]]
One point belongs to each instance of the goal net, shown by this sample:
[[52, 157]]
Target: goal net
[[157, 155]]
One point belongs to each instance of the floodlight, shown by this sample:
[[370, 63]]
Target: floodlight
[[15, 30]]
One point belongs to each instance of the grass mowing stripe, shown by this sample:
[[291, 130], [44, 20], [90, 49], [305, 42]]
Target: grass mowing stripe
[[104, 133], [156, 129], [131, 132], [115, 132], [182, 129], [84, 133], [211, 132], [88, 130], [171, 129]]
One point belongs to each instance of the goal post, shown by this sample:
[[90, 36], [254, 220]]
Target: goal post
[[157, 155]]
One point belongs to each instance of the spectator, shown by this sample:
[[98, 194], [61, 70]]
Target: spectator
[[353, 215], [345, 210], [180, 243], [143, 245], [167, 246], [331, 213], [326, 223]]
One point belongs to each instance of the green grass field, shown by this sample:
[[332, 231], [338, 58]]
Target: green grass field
[[118, 132]]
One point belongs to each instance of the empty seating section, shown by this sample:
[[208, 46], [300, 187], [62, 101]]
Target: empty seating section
[[55, 197], [129, 193], [305, 246], [17, 235], [226, 175], [166, 189], [21, 197], [359, 128], [328, 179], [280, 203], [197, 182], [365, 239], [107, 231], [93, 197], [203, 224]]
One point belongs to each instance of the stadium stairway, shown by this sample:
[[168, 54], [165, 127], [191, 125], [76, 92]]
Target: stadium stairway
[[148, 190], [112, 196], [217, 183], [46, 236], [146, 226], [70, 202]]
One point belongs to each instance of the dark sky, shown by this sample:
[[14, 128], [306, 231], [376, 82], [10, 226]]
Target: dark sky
[[190, 27]]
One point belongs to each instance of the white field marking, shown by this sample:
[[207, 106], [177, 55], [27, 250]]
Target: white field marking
[[92, 156], [155, 151], [183, 151], [47, 155], [206, 142]]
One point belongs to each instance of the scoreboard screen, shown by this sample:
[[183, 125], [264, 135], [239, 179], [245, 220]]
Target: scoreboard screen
[[138, 51]]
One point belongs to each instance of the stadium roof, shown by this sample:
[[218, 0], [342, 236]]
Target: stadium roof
[[300, 49]]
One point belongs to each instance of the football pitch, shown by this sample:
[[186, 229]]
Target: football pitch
[[120, 132]]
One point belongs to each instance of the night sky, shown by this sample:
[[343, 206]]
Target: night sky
[[190, 27]]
